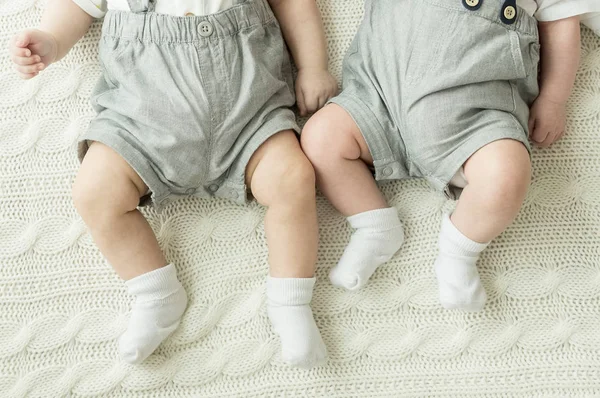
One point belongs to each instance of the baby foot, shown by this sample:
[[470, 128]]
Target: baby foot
[[456, 270], [378, 236], [156, 313], [290, 314]]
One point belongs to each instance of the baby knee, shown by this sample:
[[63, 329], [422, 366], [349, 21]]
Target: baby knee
[[314, 139], [100, 198], [296, 179], [513, 174], [511, 187], [503, 173], [85, 197]]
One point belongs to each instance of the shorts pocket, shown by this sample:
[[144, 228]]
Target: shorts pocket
[[519, 62], [268, 41], [531, 56], [526, 51], [111, 52], [528, 86]]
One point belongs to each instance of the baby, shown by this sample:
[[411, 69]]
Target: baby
[[441, 89], [194, 100]]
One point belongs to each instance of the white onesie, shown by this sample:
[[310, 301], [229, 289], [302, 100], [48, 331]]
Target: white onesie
[[542, 10], [97, 8], [552, 10]]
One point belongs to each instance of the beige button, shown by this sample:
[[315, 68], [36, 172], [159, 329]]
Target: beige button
[[510, 12], [472, 3], [190, 14], [205, 29]]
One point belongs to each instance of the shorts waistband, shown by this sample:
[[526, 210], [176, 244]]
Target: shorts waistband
[[150, 26], [492, 10]]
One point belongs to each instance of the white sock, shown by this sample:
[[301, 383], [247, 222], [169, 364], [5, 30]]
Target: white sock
[[456, 269], [378, 236], [288, 307], [156, 313]]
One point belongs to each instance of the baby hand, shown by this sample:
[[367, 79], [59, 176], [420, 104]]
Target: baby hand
[[547, 120], [32, 51], [314, 87]]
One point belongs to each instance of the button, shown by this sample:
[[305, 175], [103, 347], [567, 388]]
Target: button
[[191, 191], [388, 171], [472, 4], [205, 29], [190, 14], [213, 188], [510, 13], [234, 195]]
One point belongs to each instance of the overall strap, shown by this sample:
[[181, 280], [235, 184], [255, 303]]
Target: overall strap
[[508, 11]]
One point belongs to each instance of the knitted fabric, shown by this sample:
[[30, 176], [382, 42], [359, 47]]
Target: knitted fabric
[[62, 307]]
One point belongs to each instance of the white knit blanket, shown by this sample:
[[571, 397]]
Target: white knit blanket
[[62, 306]]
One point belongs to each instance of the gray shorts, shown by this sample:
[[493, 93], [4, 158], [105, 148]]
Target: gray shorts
[[429, 82], [186, 101]]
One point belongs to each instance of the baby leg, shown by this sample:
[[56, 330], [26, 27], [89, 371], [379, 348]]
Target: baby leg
[[498, 177], [106, 194], [333, 143], [282, 179]]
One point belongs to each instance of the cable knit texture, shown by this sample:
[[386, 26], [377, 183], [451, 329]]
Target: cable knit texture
[[62, 307]]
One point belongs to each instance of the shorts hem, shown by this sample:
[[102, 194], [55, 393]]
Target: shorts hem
[[137, 162], [236, 175], [386, 164], [448, 168], [369, 127]]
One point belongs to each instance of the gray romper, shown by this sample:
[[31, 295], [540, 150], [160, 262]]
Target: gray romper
[[186, 101], [430, 82]]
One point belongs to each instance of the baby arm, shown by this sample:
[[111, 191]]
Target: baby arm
[[63, 24], [560, 53], [302, 28]]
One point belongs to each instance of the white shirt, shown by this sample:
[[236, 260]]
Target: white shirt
[[552, 10], [542, 10], [97, 8]]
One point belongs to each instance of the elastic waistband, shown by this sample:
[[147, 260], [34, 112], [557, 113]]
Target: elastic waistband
[[167, 28], [492, 10]]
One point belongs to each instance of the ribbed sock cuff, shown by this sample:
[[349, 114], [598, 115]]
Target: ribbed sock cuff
[[380, 219], [155, 284], [452, 240], [290, 291]]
